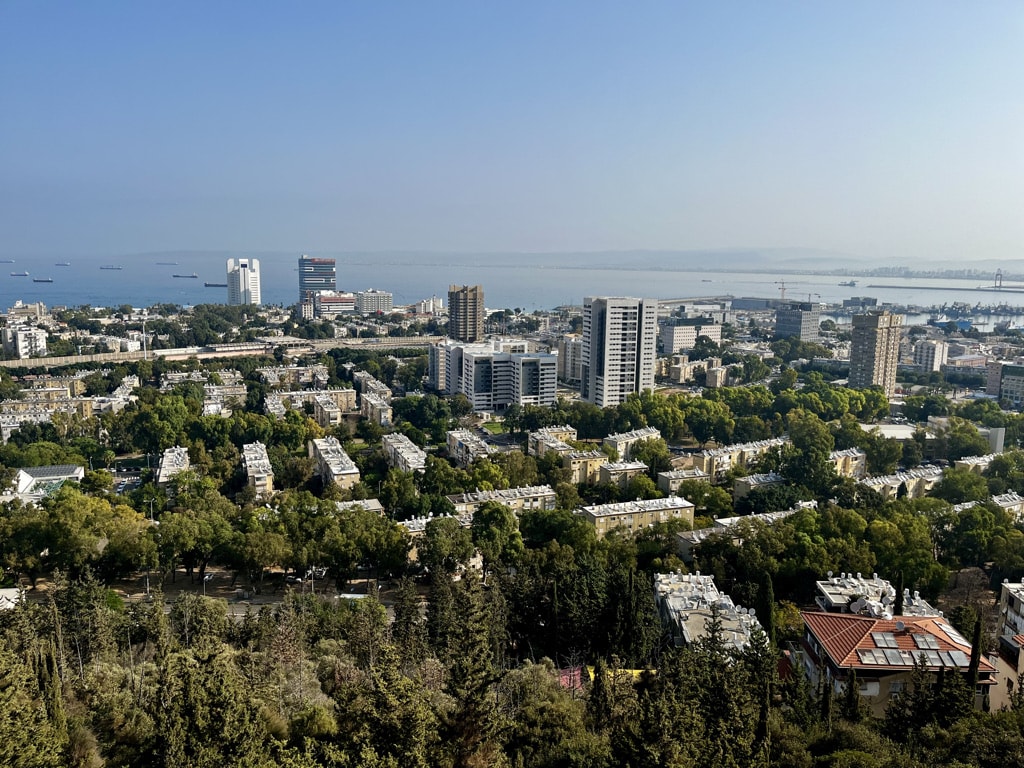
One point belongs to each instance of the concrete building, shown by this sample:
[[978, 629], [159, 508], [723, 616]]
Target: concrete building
[[798, 319], [744, 485], [620, 473], [466, 313], [330, 304], [326, 411], [634, 516], [917, 482], [1006, 381], [619, 348], [683, 371], [680, 335], [570, 358], [874, 597], [431, 306], [849, 462], [372, 302], [24, 341], [875, 351], [931, 354], [243, 281], [258, 471], [332, 464], [884, 652], [173, 462], [375, 408], [715, 462], [550, 439], [687, 602], [584, 466], [465, 447], [1011, 623], [315, 275], [670, 481], [519, 500], [495, 374], [622, 443], [403, 454], [976, 464]]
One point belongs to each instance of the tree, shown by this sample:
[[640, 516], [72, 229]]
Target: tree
[[959, 485], [496, 534], [445, 546], [654, 453]]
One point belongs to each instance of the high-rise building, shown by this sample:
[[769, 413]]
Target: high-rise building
[[372, 301], [798, 319], [243, 281], [466, 313], [931, 354], [315, 274], [875, 350], [620, 338]]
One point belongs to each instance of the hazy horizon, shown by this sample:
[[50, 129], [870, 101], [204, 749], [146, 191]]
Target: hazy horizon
[[871, 132]]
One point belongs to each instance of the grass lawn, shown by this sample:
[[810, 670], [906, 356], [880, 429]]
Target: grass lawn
[[494, 427]]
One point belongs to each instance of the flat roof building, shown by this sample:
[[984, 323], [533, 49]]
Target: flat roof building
[[403, 454], [173, 462], [620, 346], [688, 602], [634, 516], [258, 470], [332, 464]]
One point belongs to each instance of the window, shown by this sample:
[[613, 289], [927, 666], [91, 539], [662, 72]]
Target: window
[[896, 687]]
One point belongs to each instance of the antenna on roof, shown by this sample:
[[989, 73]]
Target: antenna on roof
[[900, 626]]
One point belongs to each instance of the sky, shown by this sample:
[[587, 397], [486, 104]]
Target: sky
[[879, 130]]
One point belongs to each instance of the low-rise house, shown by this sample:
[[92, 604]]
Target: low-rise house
[[33, 483], [976, 464], [333, 465], [258, 471], [403, 454], [744, 485], [884, 653], [519, 500], [1011, 623], [620, 473], [687, 603], [634, 516], [715, 462], [623, 442], [1012, 503]]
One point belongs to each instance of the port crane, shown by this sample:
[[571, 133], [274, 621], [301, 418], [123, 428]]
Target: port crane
[[782, 289]]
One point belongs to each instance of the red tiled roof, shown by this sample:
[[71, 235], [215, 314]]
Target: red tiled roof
[[843, 634], [1019, 640]]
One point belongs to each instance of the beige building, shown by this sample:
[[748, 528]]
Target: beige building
[[670, 481], [519, 500], [634, 516], [717, 461], [875, 350], [550, 439], [375, 408], [403, 454], [584, 466], [333, 465], [918, 482], [465, 447], [623, 442], [259, 473], [466, 313], [620, 473], [744, 485], [849, 462]]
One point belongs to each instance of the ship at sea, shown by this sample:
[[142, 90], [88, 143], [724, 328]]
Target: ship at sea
[[63, 264], [6, 261], [167, 263], [849, 284], [42, 279], [193, 276], [19, 274], [215, 285], [111, 266]]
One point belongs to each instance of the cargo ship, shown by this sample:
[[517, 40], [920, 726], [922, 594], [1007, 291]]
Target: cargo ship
[[19, 274], [111, 266], [63, 264], [193, 276], [42, 279], [215, 285]]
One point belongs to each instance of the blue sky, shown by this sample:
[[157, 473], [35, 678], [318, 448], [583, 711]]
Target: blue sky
[[879, 129]]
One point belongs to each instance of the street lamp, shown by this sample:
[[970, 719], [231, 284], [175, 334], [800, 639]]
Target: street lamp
[[150, 508]]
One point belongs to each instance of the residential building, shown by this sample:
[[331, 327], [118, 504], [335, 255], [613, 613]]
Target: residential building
[[622, 443], [634, 516], [465, 447], [849, 462], [683, 370], [495, 374], [874, 350], [173, 462], [374, 302], [332, 464], [258, 471], [326, 411], [875, 597], [570, 358], [715, 378], [620, 473], [744, 485], [24, 341], [1006, 381], [798, 319], [619, 348], [715, 462], [975, 464], [678, 335], [931, 354], [689, 602], [670, 481], [550, 439], [330, 304], [315, 275], [1011, 623], [466, 313], [1012, 503], [243, 281], [368, 385], [916, 482], [686, 541], [584, 466], [884, 652], [375, 408], [519, 500], [431, 306], [403, 454]]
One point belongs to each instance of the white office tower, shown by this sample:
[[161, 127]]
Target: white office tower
[[243, 281], [620, 342]]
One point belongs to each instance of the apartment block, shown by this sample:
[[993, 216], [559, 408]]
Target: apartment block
[[519, 500], [373, 302], [717, 461], [550, 439], [24, 341], [570, 358], [496, 374], [332, 464], [744, 485], [584, 466], [466, 313], [849, 593], [620, 473], [874, 350], [931, 355], [375, 408], [619, 348], [798, 319], [623, 442], [849, 462], [917, 482], [403, 454], [670, 481], [173, 462], [465, 447], [258, 471], [687, 603], [634, 516], [682, 335]]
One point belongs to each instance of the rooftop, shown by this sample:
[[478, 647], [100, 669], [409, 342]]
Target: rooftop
[[688, 601], [872, 596], [637, 507]]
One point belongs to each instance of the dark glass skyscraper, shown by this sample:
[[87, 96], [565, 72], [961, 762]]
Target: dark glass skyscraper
[[315, 274]]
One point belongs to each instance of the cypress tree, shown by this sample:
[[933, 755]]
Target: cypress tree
[[851, 699], [897, 606], [972, 669], [767, 612]]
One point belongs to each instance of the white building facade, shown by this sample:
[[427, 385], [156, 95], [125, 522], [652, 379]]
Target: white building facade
[[243, 281], [619, 348]]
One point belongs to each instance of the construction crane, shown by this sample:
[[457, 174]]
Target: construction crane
[[782, 289], [812, 294]]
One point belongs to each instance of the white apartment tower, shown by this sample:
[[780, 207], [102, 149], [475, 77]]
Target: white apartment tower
[[243, 281], [619, 348]]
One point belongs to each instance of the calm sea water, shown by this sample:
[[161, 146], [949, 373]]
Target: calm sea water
[[528, 282]]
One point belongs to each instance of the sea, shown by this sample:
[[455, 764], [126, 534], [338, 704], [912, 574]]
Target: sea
[[516, 281]]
